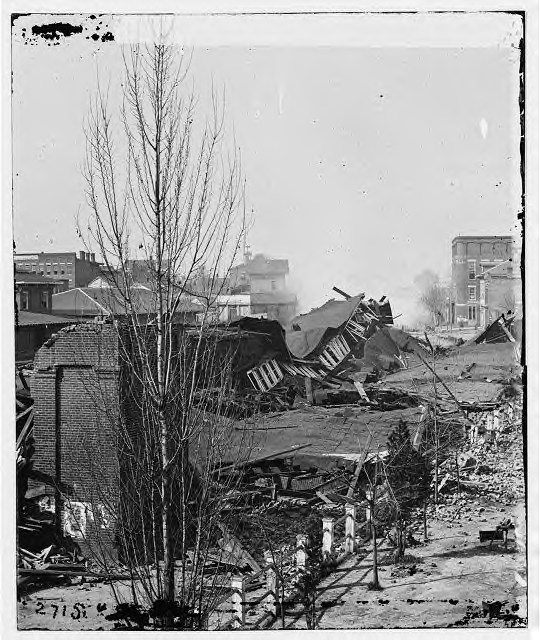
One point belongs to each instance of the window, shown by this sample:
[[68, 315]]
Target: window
[[44, 300], [62, 268], [33, 268], [472, 269], [273, 285], [472, 294], [472, 313], [24, 300]]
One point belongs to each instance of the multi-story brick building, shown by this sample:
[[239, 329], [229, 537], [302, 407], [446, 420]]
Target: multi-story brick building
[[473, 256], [77, 271]]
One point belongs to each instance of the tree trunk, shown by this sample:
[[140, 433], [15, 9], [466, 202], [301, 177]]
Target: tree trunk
[[309, 390], [168, 557], [374, 540], [425, 522], [400, 551], [457, 474]]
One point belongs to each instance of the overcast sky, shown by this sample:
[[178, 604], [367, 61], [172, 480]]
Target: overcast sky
[[363, 157]]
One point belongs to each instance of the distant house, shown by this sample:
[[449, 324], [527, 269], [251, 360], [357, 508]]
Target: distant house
[[232, 307], [265, 281], [99, 302], [34, 292], [500, 291]]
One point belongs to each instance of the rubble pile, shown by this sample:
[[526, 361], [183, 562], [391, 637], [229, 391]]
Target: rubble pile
[[490, 470]]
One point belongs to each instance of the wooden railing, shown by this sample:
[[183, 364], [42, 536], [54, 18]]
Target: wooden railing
[[331, 550]]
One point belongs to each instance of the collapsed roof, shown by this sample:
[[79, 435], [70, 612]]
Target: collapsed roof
[[309, 332]]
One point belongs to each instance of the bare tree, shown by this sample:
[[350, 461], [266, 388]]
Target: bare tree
[[433, 295], [407, 478], [162, 187]]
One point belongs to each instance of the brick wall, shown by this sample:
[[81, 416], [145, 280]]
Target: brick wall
[[75, 389], [88, 411]]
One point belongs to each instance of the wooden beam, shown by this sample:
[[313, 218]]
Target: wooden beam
[[341, 293], [359, 466]]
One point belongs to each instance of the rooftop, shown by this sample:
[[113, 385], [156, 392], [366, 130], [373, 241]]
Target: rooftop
[[96, 300], [31, 318], [260, 265], [484, 238]]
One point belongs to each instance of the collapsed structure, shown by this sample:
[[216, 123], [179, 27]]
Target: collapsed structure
[[337, 381]]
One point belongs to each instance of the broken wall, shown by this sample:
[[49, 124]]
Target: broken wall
[[75, 389]]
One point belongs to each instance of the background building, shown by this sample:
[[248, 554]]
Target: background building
[[77, 271], [33, 292], [500, 291], [472, 257], [265, 280], [99, 302]]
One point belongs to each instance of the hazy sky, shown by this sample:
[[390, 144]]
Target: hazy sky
[[362, 162]]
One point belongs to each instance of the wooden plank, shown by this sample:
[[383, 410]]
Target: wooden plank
[[293, 449], [321, 495], [25, 429], [359, 466], [23, 413], [443, 482], [79, 572], [337, 498]]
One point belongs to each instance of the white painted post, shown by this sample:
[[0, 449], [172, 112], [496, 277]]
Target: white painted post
[[272, 580], [301, 542], [350, 526], [328, 536], [238, 601]]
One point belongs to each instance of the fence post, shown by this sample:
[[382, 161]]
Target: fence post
[[301, 542], [272, 580], [238, 601], [350, 529], [328, 536]]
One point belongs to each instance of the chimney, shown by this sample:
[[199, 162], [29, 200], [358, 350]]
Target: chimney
[[81, 255]]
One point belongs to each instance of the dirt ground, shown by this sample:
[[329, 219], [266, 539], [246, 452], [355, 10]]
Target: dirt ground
[[446, 584], [452, 575], [443, 585]]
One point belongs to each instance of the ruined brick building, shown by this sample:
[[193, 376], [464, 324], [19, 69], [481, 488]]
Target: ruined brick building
[[89, 426]]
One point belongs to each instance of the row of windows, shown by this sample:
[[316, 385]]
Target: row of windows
[[481, 249], [483, 268], [48, 267]]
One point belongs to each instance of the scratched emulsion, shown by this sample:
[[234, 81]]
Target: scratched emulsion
[[91, 27]]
